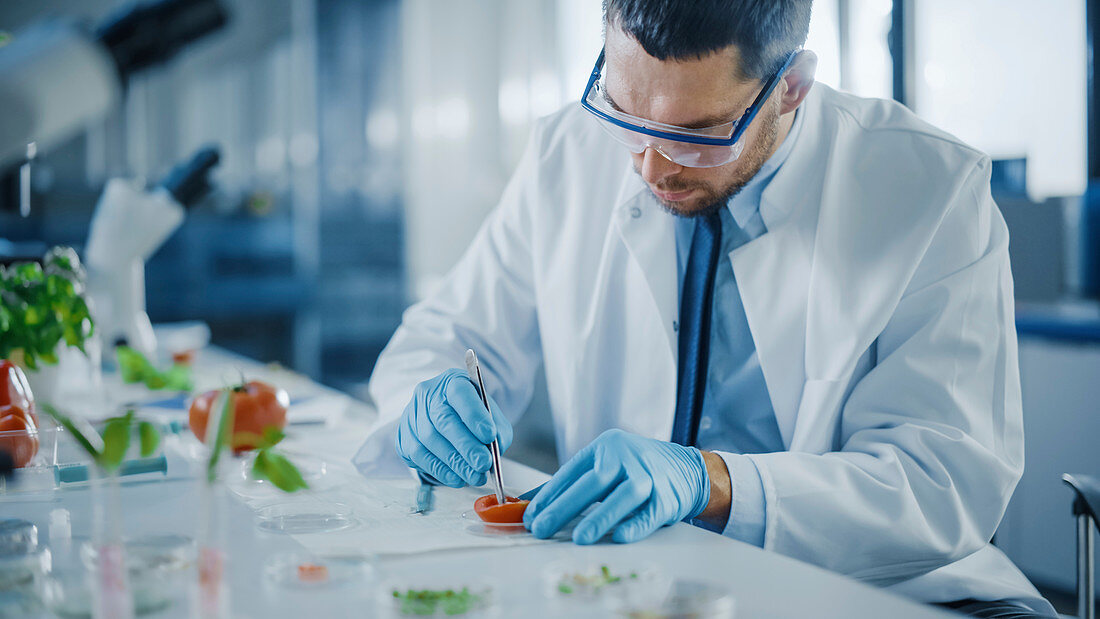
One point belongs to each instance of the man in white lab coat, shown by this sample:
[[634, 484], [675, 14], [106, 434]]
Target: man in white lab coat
[[775, 310]]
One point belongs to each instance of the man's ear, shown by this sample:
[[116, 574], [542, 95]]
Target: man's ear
[[799, 78]]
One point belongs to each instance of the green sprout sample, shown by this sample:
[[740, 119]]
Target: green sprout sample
[[590, 582], [135, 368], [429, 601]]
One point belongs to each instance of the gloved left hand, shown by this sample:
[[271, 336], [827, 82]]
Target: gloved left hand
[[641, 484]]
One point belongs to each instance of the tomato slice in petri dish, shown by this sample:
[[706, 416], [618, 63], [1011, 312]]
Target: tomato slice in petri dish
[[511, 512], [312, 572]]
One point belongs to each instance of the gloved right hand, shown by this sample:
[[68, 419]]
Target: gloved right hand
[[445, 430]]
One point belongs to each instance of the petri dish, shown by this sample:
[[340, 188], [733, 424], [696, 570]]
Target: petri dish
[[584, 582], [21, 571], [159, 567], [436, 597], [312, 468], [17, 537], [476, 526], [65, 592], [146, 553], [303, 570], [674, 599], [300, 518]]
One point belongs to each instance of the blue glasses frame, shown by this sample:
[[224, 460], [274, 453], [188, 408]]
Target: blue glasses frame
[[739, 129]]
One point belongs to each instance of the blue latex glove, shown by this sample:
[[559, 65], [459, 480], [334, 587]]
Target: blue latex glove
[[641, 484], [445, 430]]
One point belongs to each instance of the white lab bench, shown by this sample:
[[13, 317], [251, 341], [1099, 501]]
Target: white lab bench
[[764, 584]]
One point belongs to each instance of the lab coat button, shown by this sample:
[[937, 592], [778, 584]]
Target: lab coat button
[[675, 325], [704, 423], [635, 212]]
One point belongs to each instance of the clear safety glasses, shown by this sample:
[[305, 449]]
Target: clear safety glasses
[[708, 147]]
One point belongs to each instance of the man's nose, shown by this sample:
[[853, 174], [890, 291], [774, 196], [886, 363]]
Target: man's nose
[[656, 167]]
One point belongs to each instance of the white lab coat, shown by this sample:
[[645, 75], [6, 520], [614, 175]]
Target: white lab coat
[[880, 301]]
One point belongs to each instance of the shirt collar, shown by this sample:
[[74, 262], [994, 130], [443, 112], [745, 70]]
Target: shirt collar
[[744, 208]]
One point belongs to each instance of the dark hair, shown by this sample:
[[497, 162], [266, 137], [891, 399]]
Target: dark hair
[[764, 31]]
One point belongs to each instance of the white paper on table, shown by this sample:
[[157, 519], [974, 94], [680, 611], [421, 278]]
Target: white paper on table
[[387, 526]]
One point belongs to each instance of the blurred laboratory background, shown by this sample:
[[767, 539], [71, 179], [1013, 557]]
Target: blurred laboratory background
[[362, 142]]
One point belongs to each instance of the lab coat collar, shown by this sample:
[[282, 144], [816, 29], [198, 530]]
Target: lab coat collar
[[773, 271], [647, 231], [808, 157], [743, 209]]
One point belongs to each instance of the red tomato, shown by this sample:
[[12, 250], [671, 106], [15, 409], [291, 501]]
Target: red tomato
[[511, 512], [17, 436], [15, 390], [18, 411], [256, 406]]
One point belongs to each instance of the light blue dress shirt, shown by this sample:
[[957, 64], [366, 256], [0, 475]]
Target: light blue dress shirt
[[737, 415]]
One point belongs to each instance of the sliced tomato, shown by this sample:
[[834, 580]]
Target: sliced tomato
[[312, 572], [510, 512]]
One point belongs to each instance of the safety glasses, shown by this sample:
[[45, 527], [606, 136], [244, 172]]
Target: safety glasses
[[708, 147]]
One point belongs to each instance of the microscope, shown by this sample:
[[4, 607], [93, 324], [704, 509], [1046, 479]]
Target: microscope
[[130, 223], [58, 76]]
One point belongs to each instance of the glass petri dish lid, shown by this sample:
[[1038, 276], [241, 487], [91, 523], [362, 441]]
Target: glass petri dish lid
[[304, 517], [674, 599], [586, 581], [150, 553], [303, 570], [312, 468], [437, 597]]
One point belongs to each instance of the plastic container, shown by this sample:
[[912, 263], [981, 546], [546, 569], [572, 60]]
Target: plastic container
[[305, 517], [59, 461], [675, 599], [437, 597], [37, 450], [307, 571]]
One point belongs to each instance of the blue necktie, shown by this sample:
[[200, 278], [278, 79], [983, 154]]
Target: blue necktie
[[695, 308]]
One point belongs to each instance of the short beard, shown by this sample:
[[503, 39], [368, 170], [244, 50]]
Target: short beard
[[751, 162]]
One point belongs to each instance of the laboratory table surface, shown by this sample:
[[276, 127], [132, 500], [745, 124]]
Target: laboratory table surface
[[764, 584]]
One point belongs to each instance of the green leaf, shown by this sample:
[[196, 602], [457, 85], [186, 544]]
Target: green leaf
[[221, 435], [116, 441], [279, 471], [135, 368], [82, 432], [150, 438], [132, 365], [44, 307], [259, 465], [272, 437], [178, 378]]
